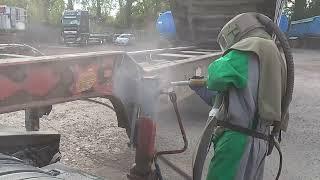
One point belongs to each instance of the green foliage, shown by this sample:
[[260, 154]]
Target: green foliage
[[70, 4], [56, 9], [305, 9], [47, 11], [299, 9], [144, 13], [288, 10], [17, 3], [313, 8], [120, 13]]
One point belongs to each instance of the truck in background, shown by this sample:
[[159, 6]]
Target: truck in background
[[13, 20], [76, 29]]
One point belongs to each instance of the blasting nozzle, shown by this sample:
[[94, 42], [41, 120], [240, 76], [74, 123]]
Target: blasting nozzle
[[191, 82]]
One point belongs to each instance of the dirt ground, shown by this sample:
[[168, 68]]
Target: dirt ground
[[91, 140]]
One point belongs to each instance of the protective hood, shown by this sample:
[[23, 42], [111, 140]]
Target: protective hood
[[242, 26]]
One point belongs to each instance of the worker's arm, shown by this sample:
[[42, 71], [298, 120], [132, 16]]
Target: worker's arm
[[205, 94], [231, 70]]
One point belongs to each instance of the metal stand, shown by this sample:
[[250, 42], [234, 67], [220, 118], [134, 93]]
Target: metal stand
[[32, 122]]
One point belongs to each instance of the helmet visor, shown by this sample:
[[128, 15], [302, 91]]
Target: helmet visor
[[222, 42]]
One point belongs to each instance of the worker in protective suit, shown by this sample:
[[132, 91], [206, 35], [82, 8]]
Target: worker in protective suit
[[250, 78]]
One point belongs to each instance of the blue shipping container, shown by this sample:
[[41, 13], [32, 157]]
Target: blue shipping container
[[165, 25], [284, 23], [305, 27]]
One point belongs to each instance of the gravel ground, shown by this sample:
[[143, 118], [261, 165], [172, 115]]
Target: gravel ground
[[90, 136], [92, 141]]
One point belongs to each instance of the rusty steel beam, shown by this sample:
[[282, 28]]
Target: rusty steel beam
[[33, 82]]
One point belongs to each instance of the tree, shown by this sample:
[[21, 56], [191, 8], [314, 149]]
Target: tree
[[145, 12], [70, 5], [129, 13], [121, 3], [18, 3], [313, 8], [139, 13], [99, 9], [46, 7], [56, 9], [299, 9], [288, 9], [47, 11]]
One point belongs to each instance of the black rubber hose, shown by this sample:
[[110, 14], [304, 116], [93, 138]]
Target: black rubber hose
[[175, 168], [173, 99], [203, 149], [158, 155], [99, 102], [158, 171], [271, 26], [277, 145]]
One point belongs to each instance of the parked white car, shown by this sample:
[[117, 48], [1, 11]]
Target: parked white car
[[125, 39]]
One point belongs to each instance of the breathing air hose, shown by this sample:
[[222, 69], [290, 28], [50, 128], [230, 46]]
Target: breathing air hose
[[205, 141], [173, 98], [273, 28]]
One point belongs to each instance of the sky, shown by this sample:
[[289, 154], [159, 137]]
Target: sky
[[77, 6]]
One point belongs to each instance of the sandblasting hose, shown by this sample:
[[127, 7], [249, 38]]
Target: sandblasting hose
[[272, 27], [173, 99], [277, 146]]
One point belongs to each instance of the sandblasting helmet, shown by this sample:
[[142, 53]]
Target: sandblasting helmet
[[237, 28]]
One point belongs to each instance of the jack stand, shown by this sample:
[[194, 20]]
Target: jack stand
[[145, 151], [149, 92]]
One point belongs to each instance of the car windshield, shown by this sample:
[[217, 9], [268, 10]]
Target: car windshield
[[67, 21]]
